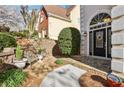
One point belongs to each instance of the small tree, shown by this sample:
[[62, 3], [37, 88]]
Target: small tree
[[29, 19], [69, 41]]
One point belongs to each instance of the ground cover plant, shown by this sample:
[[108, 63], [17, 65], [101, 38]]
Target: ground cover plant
[[58, 61], [12, 78]]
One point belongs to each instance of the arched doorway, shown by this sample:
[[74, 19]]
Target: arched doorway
[[100, 35]]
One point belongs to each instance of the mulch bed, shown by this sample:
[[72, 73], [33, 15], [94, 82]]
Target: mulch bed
[[31, 81], [93, 79]]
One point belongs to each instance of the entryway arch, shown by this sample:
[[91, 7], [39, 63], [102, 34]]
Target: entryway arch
[[100, 35]]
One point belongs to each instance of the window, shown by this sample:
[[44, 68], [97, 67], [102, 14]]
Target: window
[[100, 18]]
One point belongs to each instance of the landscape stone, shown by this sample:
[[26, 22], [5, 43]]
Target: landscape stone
[[57, 78]]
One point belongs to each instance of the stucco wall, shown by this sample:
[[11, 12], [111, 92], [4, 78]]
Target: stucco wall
[[117, 63], [88, 12], [56, 24], [75, 17]]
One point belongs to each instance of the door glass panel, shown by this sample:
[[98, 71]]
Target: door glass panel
[[109, 42], [99, 39], [90, 43]]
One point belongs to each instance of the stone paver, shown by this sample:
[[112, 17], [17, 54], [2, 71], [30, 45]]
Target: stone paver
[[65, 76], [101, 64]]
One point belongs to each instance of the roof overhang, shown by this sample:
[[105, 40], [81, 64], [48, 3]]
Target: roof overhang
[[59, 17]]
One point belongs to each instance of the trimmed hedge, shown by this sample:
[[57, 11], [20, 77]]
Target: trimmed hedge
[[12, 78], [6, 41], [69, 41]]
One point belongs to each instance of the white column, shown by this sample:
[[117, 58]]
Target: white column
[[83, 48], [117, 63]]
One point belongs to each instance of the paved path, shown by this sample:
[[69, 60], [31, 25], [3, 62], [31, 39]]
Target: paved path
[[65, 76]]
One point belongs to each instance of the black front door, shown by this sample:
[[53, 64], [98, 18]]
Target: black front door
[[99, 42]]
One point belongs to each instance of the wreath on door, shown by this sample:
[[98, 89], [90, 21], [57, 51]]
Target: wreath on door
[[99, 36]]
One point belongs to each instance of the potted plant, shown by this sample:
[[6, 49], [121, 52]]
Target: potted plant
[[40, 53], [19, 61]]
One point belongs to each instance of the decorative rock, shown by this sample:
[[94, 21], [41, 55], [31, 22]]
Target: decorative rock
[[45, 66], [45, 70], [9, 50], [69, 79], [9, 59], [53, 65], [40, 71], [50, 69]]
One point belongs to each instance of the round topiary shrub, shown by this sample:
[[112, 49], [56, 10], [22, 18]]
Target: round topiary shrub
[[69, 41], [6, 41]]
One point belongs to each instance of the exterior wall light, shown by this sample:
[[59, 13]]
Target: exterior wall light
[[85, 34]]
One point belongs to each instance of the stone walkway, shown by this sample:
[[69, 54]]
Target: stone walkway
[[101, 64], [65, 76]]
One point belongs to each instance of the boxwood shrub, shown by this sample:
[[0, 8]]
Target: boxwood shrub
[[69, 41], [6, 41], [12, 78]]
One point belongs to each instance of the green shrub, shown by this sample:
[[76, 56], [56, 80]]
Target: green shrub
[[6, 41], [58, 61], [12, 78], [19, 53], [25, 33], [69, 41], [22, 34]]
